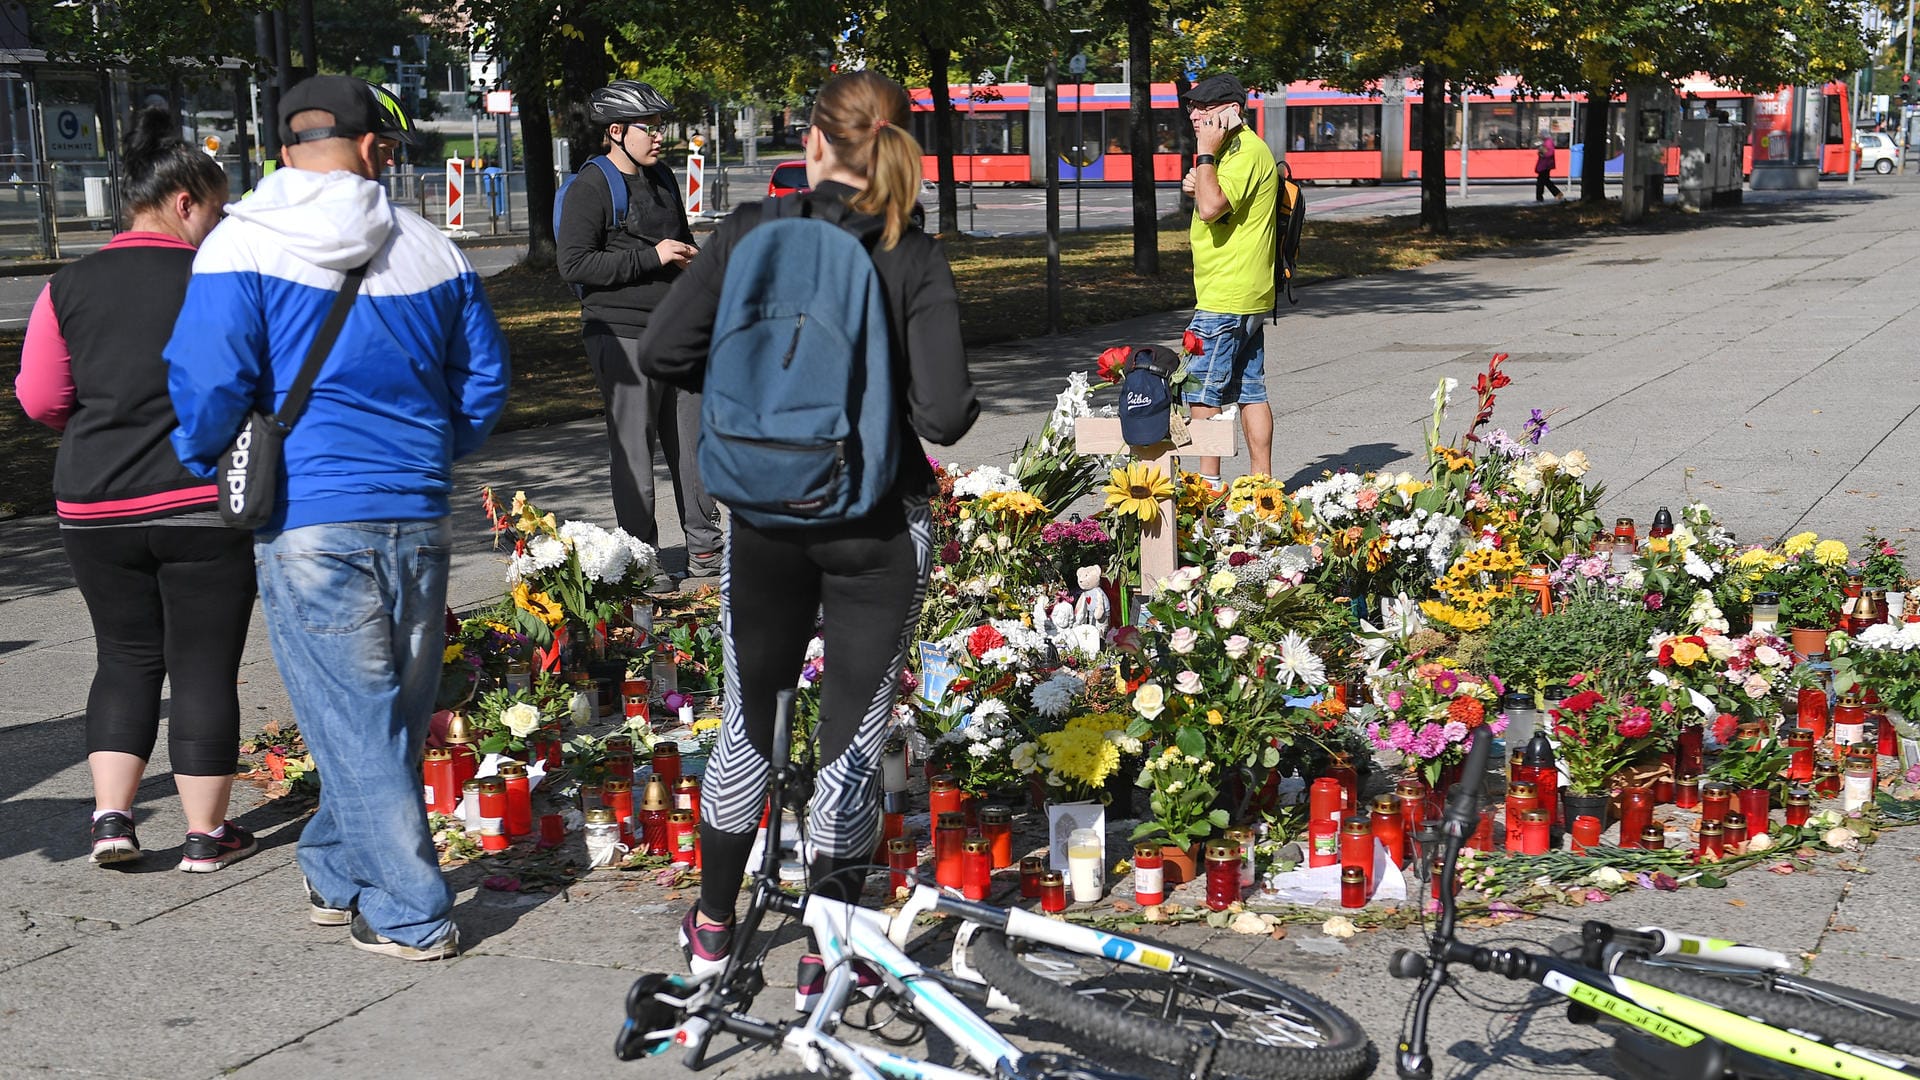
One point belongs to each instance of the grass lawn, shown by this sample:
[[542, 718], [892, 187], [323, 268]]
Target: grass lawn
[[1002, 285]]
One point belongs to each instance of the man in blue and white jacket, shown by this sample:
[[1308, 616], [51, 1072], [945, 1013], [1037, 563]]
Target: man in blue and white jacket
[[353, 564]]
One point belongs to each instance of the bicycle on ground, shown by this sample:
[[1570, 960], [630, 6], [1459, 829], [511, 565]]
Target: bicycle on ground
[[1119, 994], [1682, 1007]]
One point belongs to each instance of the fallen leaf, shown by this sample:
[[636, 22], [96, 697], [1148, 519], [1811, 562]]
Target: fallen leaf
[[1278, 933], [1781, 868], [1122, 906], [1844, 929], [1738, 903]]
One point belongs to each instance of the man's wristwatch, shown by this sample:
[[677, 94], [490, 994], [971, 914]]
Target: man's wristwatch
[[1202, 159]]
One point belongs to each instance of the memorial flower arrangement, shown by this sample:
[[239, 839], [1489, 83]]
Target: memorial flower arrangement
[[1424, 710], [1809, 574], [1600, 732], [573, 571], [1885, 656], [1076, 761], [503, 719]]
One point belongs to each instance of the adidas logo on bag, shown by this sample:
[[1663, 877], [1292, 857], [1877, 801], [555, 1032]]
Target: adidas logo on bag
[[237, 469]]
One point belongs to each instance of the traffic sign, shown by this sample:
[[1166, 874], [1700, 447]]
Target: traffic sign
[[696, 185], [499, 102], [1077, 65], [456, 194]]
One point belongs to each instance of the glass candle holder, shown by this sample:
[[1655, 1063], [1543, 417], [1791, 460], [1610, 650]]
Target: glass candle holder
[[1734, 828], [943, 796], [1653, 838], [1686, 792], [1342, 770], [1149, 875], [1827, 782], [1534, 836], [1857, 789], [493, 804], [976, 869], [1766, 613], [1242, 837], [1812, 711], [1053, 892], [1713, 843], [1849, 724], [1636, 813], [949, 840], [996, 827], [1353, 887], [1714, 800], [1585, 833], [1522, 796], [1390, 828], [686, 796], [903, 860], [655, 805], [1326, 800], [666, 762], [1031, 870], [1800, 766], [1799, 806], [617, 796], [683, 839], [1356, 844], [1689, 753], [1756, 805], [1323, 842], [443, 793], [519, 798], [1223, 875]]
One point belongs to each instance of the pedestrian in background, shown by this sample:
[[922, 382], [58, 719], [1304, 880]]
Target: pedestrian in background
[[168, 586], [353, 564], [1543, 170], [863, 579], [624, 269], [1235, 187]]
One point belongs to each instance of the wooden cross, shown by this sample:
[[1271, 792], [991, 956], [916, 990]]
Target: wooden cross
[[1159, 547]]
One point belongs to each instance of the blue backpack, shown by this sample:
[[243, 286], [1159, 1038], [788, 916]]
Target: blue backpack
[[798, 422], [616, 184]]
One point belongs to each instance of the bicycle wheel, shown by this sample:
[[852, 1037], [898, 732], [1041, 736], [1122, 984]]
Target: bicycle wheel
[[1836, 1012], [1257, 1027]]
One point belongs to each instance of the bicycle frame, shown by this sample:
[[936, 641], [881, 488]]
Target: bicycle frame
[[1696, 1034]]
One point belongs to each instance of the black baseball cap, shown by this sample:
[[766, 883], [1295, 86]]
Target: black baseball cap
[[1215, 89], [358, 108]]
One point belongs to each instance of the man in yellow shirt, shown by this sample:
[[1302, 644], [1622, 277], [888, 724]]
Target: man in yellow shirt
[[1235, 188]]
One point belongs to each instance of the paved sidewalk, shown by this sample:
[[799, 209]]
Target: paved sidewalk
[[1761, 361]]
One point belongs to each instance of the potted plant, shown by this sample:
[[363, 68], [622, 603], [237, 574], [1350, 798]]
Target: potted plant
[[1425, 710], [1751, 767], [1885, 656], [1601, 730], [1181, 804], [1588, 631], [1809, 575]]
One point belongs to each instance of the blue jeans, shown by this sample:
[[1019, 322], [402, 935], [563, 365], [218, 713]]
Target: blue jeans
[[356, 614], [1233, 366]]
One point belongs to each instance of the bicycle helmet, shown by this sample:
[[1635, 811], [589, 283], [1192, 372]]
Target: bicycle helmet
[[624, 101]]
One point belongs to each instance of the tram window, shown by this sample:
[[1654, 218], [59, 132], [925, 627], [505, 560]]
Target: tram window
[[1514, 125], [1333, 127], [1415, 130], [977, 132], [1836, 122]]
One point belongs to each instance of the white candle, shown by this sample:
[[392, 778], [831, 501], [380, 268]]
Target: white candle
[[1083, 865]]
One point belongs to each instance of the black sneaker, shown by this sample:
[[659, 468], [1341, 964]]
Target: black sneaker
[[365, 937], [203, 854], [113, 840], [321, 913], [705, 947], [810, 981], [703, 566]]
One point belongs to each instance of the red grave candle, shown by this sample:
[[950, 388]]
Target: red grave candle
[[949, 847], [976, 869]]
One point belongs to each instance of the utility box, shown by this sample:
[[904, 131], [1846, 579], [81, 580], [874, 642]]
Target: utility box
[[1710, 162], [99, 195]]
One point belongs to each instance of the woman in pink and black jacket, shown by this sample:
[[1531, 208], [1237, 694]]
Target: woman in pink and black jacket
[[170, 588]]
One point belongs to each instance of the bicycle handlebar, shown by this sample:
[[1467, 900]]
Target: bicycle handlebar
[[1459, 819]]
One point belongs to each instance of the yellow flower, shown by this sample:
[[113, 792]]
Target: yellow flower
[[1658, 544], [1800, 543], [1137, 490], [1269, 503], [1222, 582], [1687, 654], [1012, 502], [1830, 553], [539, 604], [1409, 488], [453, 652], [1455, 460], [1214, 718]]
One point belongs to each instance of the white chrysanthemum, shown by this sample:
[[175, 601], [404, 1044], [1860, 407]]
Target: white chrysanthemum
[[1296, 661], [644, 558], [1697, 566], [1052, 699], [989, 711], [546, 553], [984, 479]]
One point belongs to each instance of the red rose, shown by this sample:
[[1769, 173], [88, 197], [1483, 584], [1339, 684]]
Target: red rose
[[1113, 363], [1192, 344], [1636, 724], [983, 640]]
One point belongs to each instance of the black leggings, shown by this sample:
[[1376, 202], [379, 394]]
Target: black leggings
[[1542, 183], [866, 580], [169, 602]]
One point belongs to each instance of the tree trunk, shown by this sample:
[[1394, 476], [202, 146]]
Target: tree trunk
[[1433, 148], [1181, 84], [536, 133], [1146, 210], [1593, 164], [939, 59]]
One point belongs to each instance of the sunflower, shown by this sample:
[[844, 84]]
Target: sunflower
[[538, 604], [1270, 503], [1137, 490]]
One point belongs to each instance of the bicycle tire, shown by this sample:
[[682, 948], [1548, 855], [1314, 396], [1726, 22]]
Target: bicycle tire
[[1343, 1052], [1859, 1020]]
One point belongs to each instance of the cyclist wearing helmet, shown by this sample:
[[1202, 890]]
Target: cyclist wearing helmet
[[624, 270]]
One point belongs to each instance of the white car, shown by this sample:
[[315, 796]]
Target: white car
[[1877, 151]]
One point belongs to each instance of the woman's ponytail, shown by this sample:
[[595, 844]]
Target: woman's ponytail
[[158, 162], [865, 115]]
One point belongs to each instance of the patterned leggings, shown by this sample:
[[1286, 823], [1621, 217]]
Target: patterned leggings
[[865, 580]]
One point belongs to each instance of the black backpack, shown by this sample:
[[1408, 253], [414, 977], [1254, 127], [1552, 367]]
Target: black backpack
[[1292, 211]]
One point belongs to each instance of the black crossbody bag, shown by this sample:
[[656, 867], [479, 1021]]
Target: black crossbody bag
[[249, 472]]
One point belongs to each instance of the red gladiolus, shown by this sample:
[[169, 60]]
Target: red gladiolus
[[1192, 344], [1113, 363], [983, 640]]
